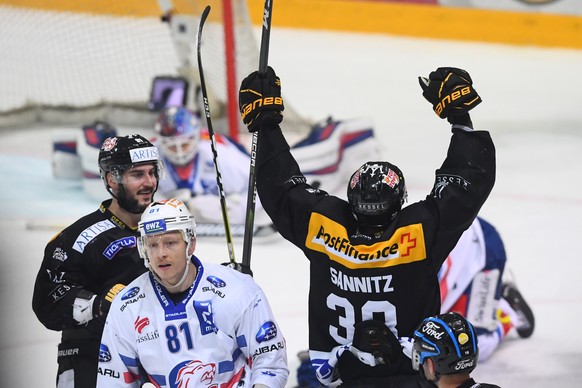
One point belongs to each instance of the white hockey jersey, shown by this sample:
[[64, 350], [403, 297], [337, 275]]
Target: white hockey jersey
[[195, 183], [222, 334], [199, 176]]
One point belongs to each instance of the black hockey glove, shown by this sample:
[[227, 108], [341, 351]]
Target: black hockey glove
[[103, 301], [259, 100], [450, 91]]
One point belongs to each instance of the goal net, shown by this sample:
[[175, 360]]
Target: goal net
[[75, 61]]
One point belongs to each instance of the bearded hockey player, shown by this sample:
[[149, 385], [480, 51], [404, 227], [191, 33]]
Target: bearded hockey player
[[90, 261]]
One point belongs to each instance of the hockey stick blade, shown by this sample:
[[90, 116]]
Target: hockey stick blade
[[223, 207]]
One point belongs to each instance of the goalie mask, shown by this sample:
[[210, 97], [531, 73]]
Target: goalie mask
[[376, 193], [162, 217], [120, 153], [450, 341], [179, 132]]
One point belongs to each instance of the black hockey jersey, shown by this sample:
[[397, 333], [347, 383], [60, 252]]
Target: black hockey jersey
[[473, 384], [391, 276], [93, 254]]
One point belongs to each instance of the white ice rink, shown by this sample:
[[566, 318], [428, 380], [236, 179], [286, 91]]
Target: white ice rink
[[532, 104]]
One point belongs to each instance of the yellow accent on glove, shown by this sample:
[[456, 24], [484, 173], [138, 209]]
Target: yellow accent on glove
[[114, 291]]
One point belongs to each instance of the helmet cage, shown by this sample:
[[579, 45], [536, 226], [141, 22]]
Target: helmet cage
[[118, 170], [449, 340], [179, 132], [180, 149]]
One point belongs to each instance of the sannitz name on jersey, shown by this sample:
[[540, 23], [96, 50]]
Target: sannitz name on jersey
[[365, 284]]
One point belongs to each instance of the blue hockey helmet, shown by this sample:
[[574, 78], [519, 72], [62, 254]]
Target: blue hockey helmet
[[449, 340]]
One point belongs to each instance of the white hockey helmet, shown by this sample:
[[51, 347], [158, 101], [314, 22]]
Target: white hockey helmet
[[162, 217], [179, 132]]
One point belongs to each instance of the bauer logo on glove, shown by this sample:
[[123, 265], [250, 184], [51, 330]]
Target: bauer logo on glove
[[450, 91], [260, 100]]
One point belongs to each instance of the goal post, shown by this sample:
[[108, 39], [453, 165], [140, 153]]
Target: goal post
[[74, 61]]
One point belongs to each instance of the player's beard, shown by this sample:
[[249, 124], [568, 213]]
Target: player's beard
[[129, 203]]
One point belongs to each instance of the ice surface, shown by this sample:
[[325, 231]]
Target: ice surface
[[531, 105]]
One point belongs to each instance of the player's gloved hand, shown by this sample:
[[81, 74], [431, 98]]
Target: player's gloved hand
[[207, 209], [259, 100], [450, 91], [240, 267], [103, 301]]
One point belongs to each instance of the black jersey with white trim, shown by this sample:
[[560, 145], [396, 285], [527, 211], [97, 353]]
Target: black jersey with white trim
[[94, 253], [473, 384], [389, 276]]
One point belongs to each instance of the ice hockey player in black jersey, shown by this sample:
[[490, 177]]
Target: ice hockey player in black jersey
[[89, 262], [445, 351], [373, 264]]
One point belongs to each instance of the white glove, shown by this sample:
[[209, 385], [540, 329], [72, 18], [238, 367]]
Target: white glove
[[206, 209], [406, 344], [183, 195]]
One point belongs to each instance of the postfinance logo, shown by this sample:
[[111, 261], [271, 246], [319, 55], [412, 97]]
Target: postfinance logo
[[327, 236]]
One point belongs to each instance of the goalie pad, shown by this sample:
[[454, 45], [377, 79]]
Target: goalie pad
[[89, 142], [65, 162], [333, 150]]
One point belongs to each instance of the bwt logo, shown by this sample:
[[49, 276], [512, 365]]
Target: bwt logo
[[154, 226]]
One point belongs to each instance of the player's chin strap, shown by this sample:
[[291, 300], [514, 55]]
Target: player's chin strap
[[182, 279]]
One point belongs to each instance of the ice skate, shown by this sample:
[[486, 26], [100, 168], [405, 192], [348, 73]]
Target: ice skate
[[526, 321]]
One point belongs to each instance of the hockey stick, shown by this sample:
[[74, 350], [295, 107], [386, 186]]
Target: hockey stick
[[252, 190], [145, 378], [212, 140]]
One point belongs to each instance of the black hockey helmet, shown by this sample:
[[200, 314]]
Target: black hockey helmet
[[376, 193], [449, 340], [118, 153]]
